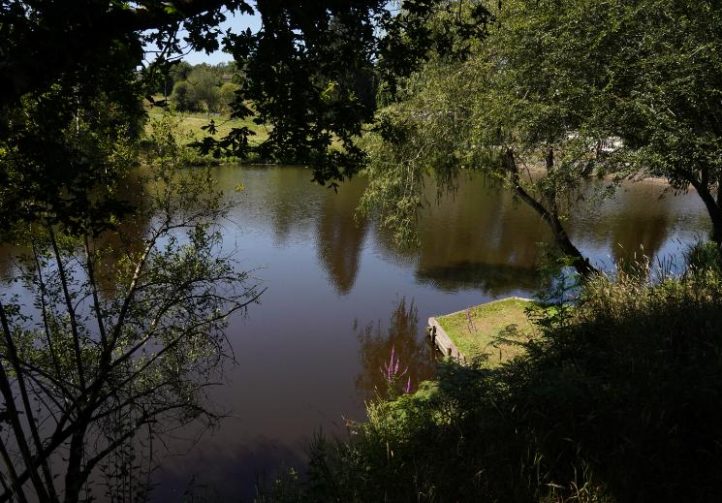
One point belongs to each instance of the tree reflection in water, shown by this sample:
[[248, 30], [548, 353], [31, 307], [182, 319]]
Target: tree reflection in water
[[403, 335], [340, 235]]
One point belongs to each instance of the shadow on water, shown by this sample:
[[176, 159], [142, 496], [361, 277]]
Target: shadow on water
[[235, 475], [493, 279]]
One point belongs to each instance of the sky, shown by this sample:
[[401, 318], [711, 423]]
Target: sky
[[235, 22]]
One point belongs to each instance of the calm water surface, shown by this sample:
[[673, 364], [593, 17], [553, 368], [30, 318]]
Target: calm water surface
[[339, 295]]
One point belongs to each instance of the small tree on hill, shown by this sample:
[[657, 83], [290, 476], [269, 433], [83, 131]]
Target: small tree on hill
[[228, 94], [180, 98]]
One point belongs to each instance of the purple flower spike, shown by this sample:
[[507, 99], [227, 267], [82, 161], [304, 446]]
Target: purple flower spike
[[407, 389], [392, 369]]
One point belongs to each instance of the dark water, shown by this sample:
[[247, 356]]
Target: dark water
[[340, 295]]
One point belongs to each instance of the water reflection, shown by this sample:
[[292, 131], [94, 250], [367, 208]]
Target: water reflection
[[637, 221], [478, 237], [9, 261], [112, 245], [340, 235], [489, 228], [292, 204], [492, 279], [401, 336]]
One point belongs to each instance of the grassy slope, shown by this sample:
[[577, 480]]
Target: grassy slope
[[477, 337], [191, 124]]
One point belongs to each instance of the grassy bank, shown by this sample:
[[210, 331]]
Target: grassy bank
[[187, 128], [481, 330], [191, 124]]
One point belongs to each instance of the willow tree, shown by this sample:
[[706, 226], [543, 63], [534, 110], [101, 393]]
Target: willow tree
[[656, 69], [560, 91], [495, 111], [646, 72]]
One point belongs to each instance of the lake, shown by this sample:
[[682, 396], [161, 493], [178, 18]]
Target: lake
[[340, 295]]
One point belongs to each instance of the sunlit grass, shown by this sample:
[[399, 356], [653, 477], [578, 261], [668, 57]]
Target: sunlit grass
[[477, 331], [191, 125]]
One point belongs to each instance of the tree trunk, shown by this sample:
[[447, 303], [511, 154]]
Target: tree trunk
[[73, 477], [550, 159], [561, 238], [713, 209]]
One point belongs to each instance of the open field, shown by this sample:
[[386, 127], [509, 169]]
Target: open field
[[191, 124]]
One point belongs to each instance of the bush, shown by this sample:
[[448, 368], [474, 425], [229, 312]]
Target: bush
[[181, 98], [227, 95]]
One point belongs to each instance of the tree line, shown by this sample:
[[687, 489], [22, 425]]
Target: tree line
[[197, 88]]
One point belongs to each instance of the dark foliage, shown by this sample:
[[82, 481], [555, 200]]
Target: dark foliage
[[313, 72], [57, 147]]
